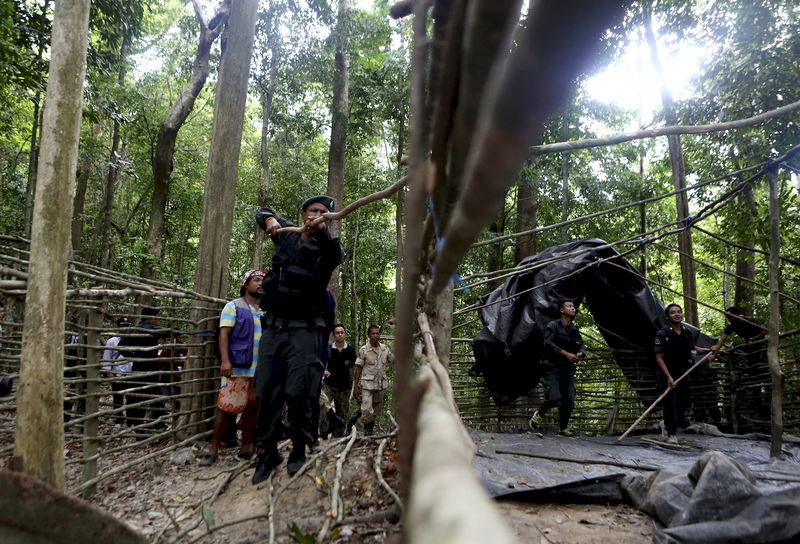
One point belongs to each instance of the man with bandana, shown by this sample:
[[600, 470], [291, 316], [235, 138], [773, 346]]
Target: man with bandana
[[239, 338]]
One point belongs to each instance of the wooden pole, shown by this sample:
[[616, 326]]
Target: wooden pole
[[447, 503], [664, 131], [663, 395], [92, 402], [773, 339], [406, 395]]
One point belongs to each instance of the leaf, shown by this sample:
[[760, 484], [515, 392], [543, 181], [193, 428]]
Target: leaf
[[208, 516], [300, 536]]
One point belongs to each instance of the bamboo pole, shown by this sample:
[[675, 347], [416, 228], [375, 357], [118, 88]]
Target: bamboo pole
[[663, 395], [665, 131], [91, 404], [778, 379]]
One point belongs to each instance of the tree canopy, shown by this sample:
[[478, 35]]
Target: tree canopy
[[749, 65]]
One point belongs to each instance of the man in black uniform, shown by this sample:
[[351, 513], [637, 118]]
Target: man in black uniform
[[289, 369], [563, 348], [674, 345], [146, 361], [338, 379], [752, 366]]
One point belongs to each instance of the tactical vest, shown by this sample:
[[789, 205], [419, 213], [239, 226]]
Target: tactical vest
[[295, 286]]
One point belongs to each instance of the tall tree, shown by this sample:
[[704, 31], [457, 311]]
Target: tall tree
[[211, 276], [526, 219], [565, 177], [168, 132], [688, 272], [267, 81], [39, 439], [33, 153], [78, 203], [339, 116], [115, 158]]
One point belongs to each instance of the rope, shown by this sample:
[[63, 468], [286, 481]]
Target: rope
[[538, 230], [440, 243], [643, 238]]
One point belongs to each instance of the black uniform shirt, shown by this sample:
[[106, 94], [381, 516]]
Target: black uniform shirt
[[677, 348], [557, 336], [339, 366], [295, 286]]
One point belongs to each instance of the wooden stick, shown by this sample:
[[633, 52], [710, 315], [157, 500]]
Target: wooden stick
[[526, 90], [381, 480], [577, 461], [353, 206], [664, 131], [438, 368], [664, 394]]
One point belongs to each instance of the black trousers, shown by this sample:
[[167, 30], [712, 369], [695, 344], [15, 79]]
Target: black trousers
[[118, 397], [559, 390], [159, 390], [289, 372], [676, 403], [753, 387]]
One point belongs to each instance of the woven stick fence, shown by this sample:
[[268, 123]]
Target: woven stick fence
[[732, 392], [111, 409]]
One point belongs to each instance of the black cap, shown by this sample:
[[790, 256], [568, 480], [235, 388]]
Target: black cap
[[325, 200]]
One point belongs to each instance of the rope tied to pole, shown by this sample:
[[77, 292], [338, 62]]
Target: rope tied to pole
[[439, 245]]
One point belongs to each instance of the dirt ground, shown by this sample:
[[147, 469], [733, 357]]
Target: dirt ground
[[571, 523], [171, 502], [188, 503]]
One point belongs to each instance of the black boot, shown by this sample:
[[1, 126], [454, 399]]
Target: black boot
[[267, 462], [296, 460], [369, 427]]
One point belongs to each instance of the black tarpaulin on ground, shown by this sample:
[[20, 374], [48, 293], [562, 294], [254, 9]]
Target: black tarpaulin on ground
[[626, 312], [717, 500], [708, 489]]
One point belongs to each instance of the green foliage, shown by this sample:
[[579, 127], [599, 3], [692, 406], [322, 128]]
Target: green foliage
[[750, 66]]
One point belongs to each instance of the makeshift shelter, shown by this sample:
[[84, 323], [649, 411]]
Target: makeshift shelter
[[591, 273]]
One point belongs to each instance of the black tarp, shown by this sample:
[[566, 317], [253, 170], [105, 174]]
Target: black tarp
[[711, 488], [716, 501], [508, 349]]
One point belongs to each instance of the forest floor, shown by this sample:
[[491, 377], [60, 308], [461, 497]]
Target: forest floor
[[169, 499], [170, 502]]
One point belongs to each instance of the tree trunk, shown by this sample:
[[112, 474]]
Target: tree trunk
[[688, 273], [33, 159], [223, 163], [642, 209], [39, 439], [526, 219], [78, 203], [267, 93], [339, 119], [113, 165], [494, 260], [399, 213], [565, 178], [743, 293], [168, 133], [33, 153], [773, 341]]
